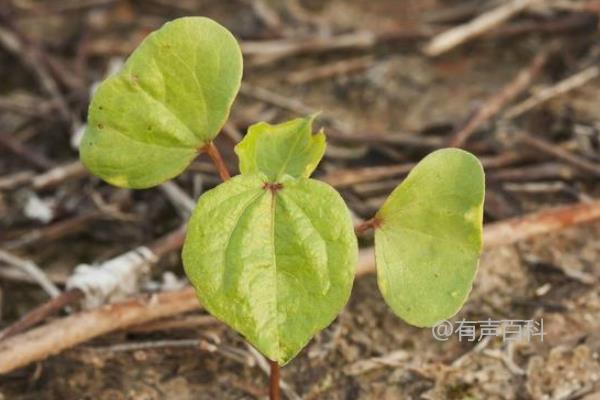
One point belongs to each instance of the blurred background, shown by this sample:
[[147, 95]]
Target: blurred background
[[516, 83]]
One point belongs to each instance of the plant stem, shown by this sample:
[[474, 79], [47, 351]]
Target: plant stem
[[366, 225], [274, 381], [216, 158]]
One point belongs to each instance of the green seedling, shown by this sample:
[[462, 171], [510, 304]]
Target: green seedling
[[272, 252]]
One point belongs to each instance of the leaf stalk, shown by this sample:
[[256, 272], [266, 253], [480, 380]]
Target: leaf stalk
[[274, 391], [217, 160], [367, 225]]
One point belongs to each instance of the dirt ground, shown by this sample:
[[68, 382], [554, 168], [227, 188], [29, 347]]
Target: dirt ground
[[391, 88]]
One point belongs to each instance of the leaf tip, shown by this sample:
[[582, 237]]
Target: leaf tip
[[311, 117]]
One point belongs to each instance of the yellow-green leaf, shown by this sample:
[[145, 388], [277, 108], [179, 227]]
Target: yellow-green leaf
[[429, 237], [289, 148], [173, 95], [274, 261]]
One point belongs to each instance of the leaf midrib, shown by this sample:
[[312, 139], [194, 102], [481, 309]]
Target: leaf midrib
[[247, 206], [274, 257]]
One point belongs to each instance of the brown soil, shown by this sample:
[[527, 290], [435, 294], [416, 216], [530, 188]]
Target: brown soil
[[367, 353]]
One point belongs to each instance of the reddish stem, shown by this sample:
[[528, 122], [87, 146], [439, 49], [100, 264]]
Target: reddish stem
[[372, 223], [217, 160], [274, 393]]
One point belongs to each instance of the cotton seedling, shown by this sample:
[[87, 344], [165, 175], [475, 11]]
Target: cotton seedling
[[272, 252]]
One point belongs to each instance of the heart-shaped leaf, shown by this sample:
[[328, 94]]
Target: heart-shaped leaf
[[428, 237], [275, 261], [147, 122], [289, 148]]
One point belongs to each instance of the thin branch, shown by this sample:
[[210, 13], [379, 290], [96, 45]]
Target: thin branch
[[154, 344], [16, 274], [535, 172], [560, 88], [263, 52], [476, 27], [32, 58], [549, 148], [164, 245], [182, 202], [232, 132], [339, 130], [45, 180], [174, 323], [54, 230], [59, 174], [270, 97], [393, 359], [494, 104], [67, 332], [547, 221], [39, 161], [15, 180], [39, 343], [33, 270], [38, 314], [342, 178], [170, 242], [328, 71]]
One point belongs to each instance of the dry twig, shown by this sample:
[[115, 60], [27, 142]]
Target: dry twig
[[494, 104], [546, 221], [560, 88], [555, 151], [342, 178], [157, 249], [36, 159], [476, 27], [343, 67], [32, 58], [64, 333], [339, 129], [33, 270], [46, 180], [393, 359]]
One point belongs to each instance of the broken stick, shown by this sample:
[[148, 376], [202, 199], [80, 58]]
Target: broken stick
[[54, 337], [476, 27]]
